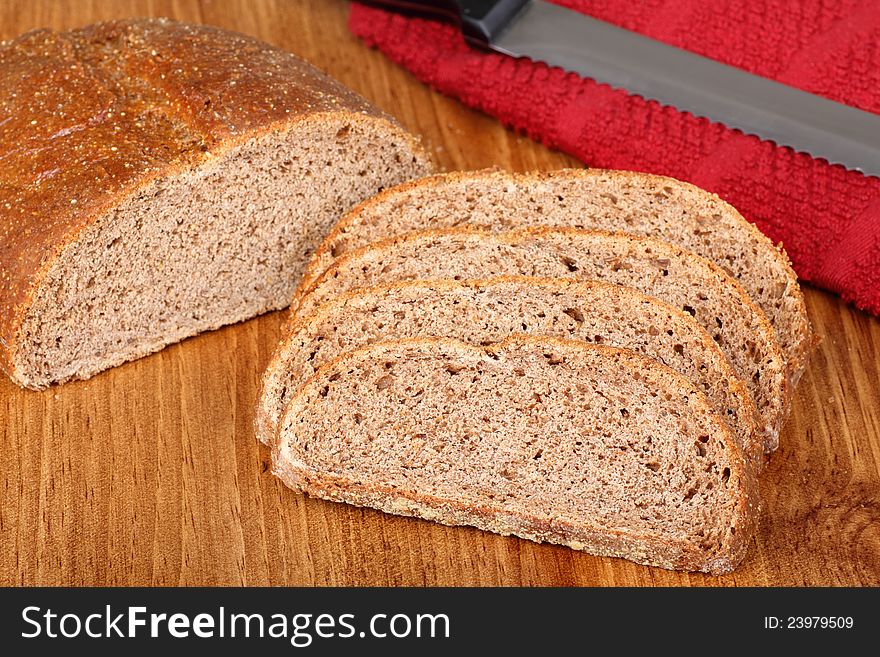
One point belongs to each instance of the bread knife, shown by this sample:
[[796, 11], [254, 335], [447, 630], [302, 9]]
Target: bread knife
[[656, 71]]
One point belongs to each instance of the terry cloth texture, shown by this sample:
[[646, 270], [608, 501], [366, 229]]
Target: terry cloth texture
[[827, 217]]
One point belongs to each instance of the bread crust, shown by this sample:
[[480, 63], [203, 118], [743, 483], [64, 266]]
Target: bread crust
[[805, 341], [90, 117], [639, 548]]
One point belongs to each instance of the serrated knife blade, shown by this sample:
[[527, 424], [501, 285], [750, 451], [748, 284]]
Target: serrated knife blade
[[656, 71]]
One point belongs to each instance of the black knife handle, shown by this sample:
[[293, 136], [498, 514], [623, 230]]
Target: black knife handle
[[481, 21]]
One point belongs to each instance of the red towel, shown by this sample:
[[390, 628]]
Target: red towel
[[828, 218]]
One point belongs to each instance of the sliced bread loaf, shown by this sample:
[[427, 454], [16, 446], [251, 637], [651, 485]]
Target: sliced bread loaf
[[657, 268], [159, 179], [597, 448], [636, 203], [487, 311]]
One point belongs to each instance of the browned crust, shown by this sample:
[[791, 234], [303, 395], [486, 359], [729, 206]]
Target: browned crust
[[805, 344], [642, 549], [79, 135], [266, 426]]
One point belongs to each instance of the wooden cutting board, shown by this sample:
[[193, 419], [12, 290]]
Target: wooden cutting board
[[150, 473]]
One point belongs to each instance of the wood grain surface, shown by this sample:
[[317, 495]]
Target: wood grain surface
[[150, 473]]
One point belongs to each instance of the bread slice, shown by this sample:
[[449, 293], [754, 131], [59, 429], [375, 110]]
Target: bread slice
[[482, 312], [593, 447], [637, 203], [657, 268], [159, 179]]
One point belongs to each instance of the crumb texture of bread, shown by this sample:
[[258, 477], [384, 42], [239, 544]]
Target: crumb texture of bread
[[593, 447], [153, 187], [670, 273], [637, 203], [486, 312]]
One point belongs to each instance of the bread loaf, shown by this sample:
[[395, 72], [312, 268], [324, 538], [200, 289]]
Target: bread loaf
[[487, 311], [670, 273], [637, 203], [597, 448], [159, 179]]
